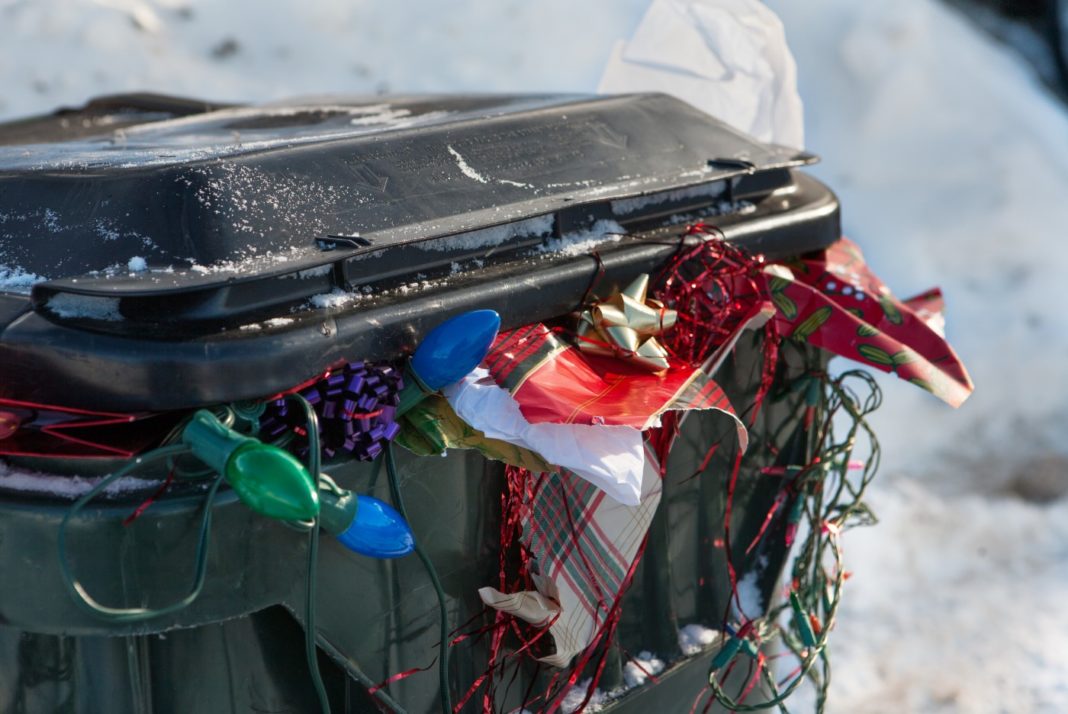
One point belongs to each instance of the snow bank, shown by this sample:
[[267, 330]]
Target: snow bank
[[65, 51], [956, 605]]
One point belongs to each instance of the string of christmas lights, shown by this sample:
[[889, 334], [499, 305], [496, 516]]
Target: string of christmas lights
[[825, 499]]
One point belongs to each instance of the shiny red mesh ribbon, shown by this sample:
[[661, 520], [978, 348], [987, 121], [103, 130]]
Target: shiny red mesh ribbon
[[56, 431], [513, 575], [715, 287]]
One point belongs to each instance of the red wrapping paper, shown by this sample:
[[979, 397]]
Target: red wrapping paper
[[555, 382], [835, 302]]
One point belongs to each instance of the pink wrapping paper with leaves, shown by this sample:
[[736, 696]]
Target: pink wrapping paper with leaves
[[834, 301]]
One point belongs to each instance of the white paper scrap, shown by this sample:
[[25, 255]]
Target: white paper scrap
[[728, 58], [610, 457]]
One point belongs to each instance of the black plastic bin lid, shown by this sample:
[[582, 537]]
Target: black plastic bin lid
[[177, 253]]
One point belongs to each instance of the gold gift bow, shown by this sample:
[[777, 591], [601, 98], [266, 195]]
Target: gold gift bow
[[626, 326]]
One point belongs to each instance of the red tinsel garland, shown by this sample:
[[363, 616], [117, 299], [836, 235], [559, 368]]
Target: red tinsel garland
[[715, 287]]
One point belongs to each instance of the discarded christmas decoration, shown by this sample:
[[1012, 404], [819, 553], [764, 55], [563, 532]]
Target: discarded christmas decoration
[[356, 405], [838, 304], [447, 354], [610, 456], [584, 477], [626, 326], [269, 480], [433, 427], [554, 382], [365, 525], [31, 429]]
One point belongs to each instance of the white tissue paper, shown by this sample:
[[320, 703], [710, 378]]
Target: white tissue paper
[[728, 58], [610, 457]]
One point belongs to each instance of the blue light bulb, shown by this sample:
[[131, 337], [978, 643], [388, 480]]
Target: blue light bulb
[[455, 347], [365, 525], [378, 531]]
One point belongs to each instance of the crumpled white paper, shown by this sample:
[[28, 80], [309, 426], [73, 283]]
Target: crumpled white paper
[[538, 607], [728, 58], [610, 457]]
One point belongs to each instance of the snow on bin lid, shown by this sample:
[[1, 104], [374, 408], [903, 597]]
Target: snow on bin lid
[[170, 203]]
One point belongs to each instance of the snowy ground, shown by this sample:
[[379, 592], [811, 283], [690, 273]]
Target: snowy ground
[[64, 51], [952, 165]]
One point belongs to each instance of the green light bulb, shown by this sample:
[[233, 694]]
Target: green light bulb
[[266, 479]]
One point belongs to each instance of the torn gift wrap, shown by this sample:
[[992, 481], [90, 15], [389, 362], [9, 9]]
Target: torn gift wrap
[[583, 547], [580, 411], [555, 382], [835, 302], [583, 407]]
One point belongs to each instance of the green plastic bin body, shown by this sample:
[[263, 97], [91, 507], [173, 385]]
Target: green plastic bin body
[[637, 161], [240, 647]]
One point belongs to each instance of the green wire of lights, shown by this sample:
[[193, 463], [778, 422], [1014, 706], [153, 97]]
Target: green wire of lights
[[443, 614], [311, 580], [840, 507], [172, 452], [311, 585], [78, 592], [84, 600]]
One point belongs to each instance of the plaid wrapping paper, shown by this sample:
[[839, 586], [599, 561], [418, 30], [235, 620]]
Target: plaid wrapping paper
[[583, 544]]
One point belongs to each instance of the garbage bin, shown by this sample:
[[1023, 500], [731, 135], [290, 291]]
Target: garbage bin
[[161, 255]]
